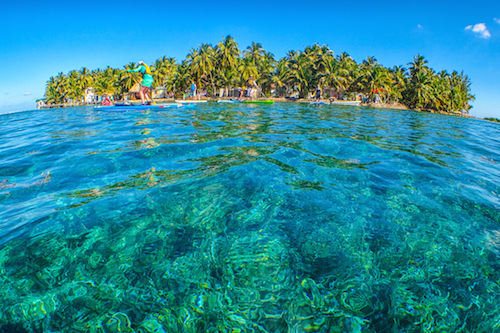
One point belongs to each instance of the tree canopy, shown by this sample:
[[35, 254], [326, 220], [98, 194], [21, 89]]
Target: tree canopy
[[299, 73]]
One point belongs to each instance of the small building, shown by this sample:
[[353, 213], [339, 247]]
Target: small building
[[40, 103], [90, 96], [133, 93], [159, 92]]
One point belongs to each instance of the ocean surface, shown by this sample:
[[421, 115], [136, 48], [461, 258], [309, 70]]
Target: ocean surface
[[244, 218]]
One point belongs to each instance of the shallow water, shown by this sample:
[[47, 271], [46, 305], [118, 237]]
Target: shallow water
[[279, 218]]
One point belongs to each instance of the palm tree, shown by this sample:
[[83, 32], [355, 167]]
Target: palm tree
[[75, 91], [227, 59], [267, 70], [460, 84], [51, 93], [202, 63], [126, 79], [182, 77], [375, 80], [163, 70], [398, 84], [255, 54], [418, 65], [318, 57], [228, 53], [61, 87], [298, 72], [364, 69], [105, 86], [335, 75], [279, 79], [370, 62], [451, 92], [85, 79], [246, 68], [259, 63], [419, 91], [349, 69]]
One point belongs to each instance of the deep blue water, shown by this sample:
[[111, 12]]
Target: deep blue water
[[273, 218]]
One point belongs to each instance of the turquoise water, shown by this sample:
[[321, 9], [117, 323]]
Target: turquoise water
[[241, 218]]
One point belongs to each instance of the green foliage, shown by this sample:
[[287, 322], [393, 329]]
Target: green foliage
[[493, 119], [299, 73]]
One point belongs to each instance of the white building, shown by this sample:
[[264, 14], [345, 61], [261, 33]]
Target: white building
[[90, 96], [40, 103]]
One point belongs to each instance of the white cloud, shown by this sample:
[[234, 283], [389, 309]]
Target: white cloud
[[27, 93], [419, 26], [479, 29], [497, 20]]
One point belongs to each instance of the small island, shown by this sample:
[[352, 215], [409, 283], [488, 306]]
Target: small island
[[222, 71]]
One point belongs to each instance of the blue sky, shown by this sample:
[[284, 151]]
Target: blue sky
[[41, 39]]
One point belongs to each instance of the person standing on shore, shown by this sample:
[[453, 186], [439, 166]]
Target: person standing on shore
[[147, 81], [193, 89], [318, 93], [251, 85]]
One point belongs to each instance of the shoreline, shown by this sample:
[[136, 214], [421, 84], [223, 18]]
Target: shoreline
[[392, 106]]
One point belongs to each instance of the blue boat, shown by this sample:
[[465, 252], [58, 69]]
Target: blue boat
[[227, 101], [124, 107]]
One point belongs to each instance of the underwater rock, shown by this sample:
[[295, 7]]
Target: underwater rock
[[19, 312], [34, 309], [150, 325], [256, 261], [322, 252], [311, 292], [13, 328], [117, 322]]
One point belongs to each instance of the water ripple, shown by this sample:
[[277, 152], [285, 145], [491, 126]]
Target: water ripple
[[284, 217]]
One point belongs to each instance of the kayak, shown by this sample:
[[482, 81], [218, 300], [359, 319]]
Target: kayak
[[345, 102], [243, 102], [257, 102], [186, 101], [227, 101], [319, 103], [119, 107]]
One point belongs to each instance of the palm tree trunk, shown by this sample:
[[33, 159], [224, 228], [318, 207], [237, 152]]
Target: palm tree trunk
[[213, 83]]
